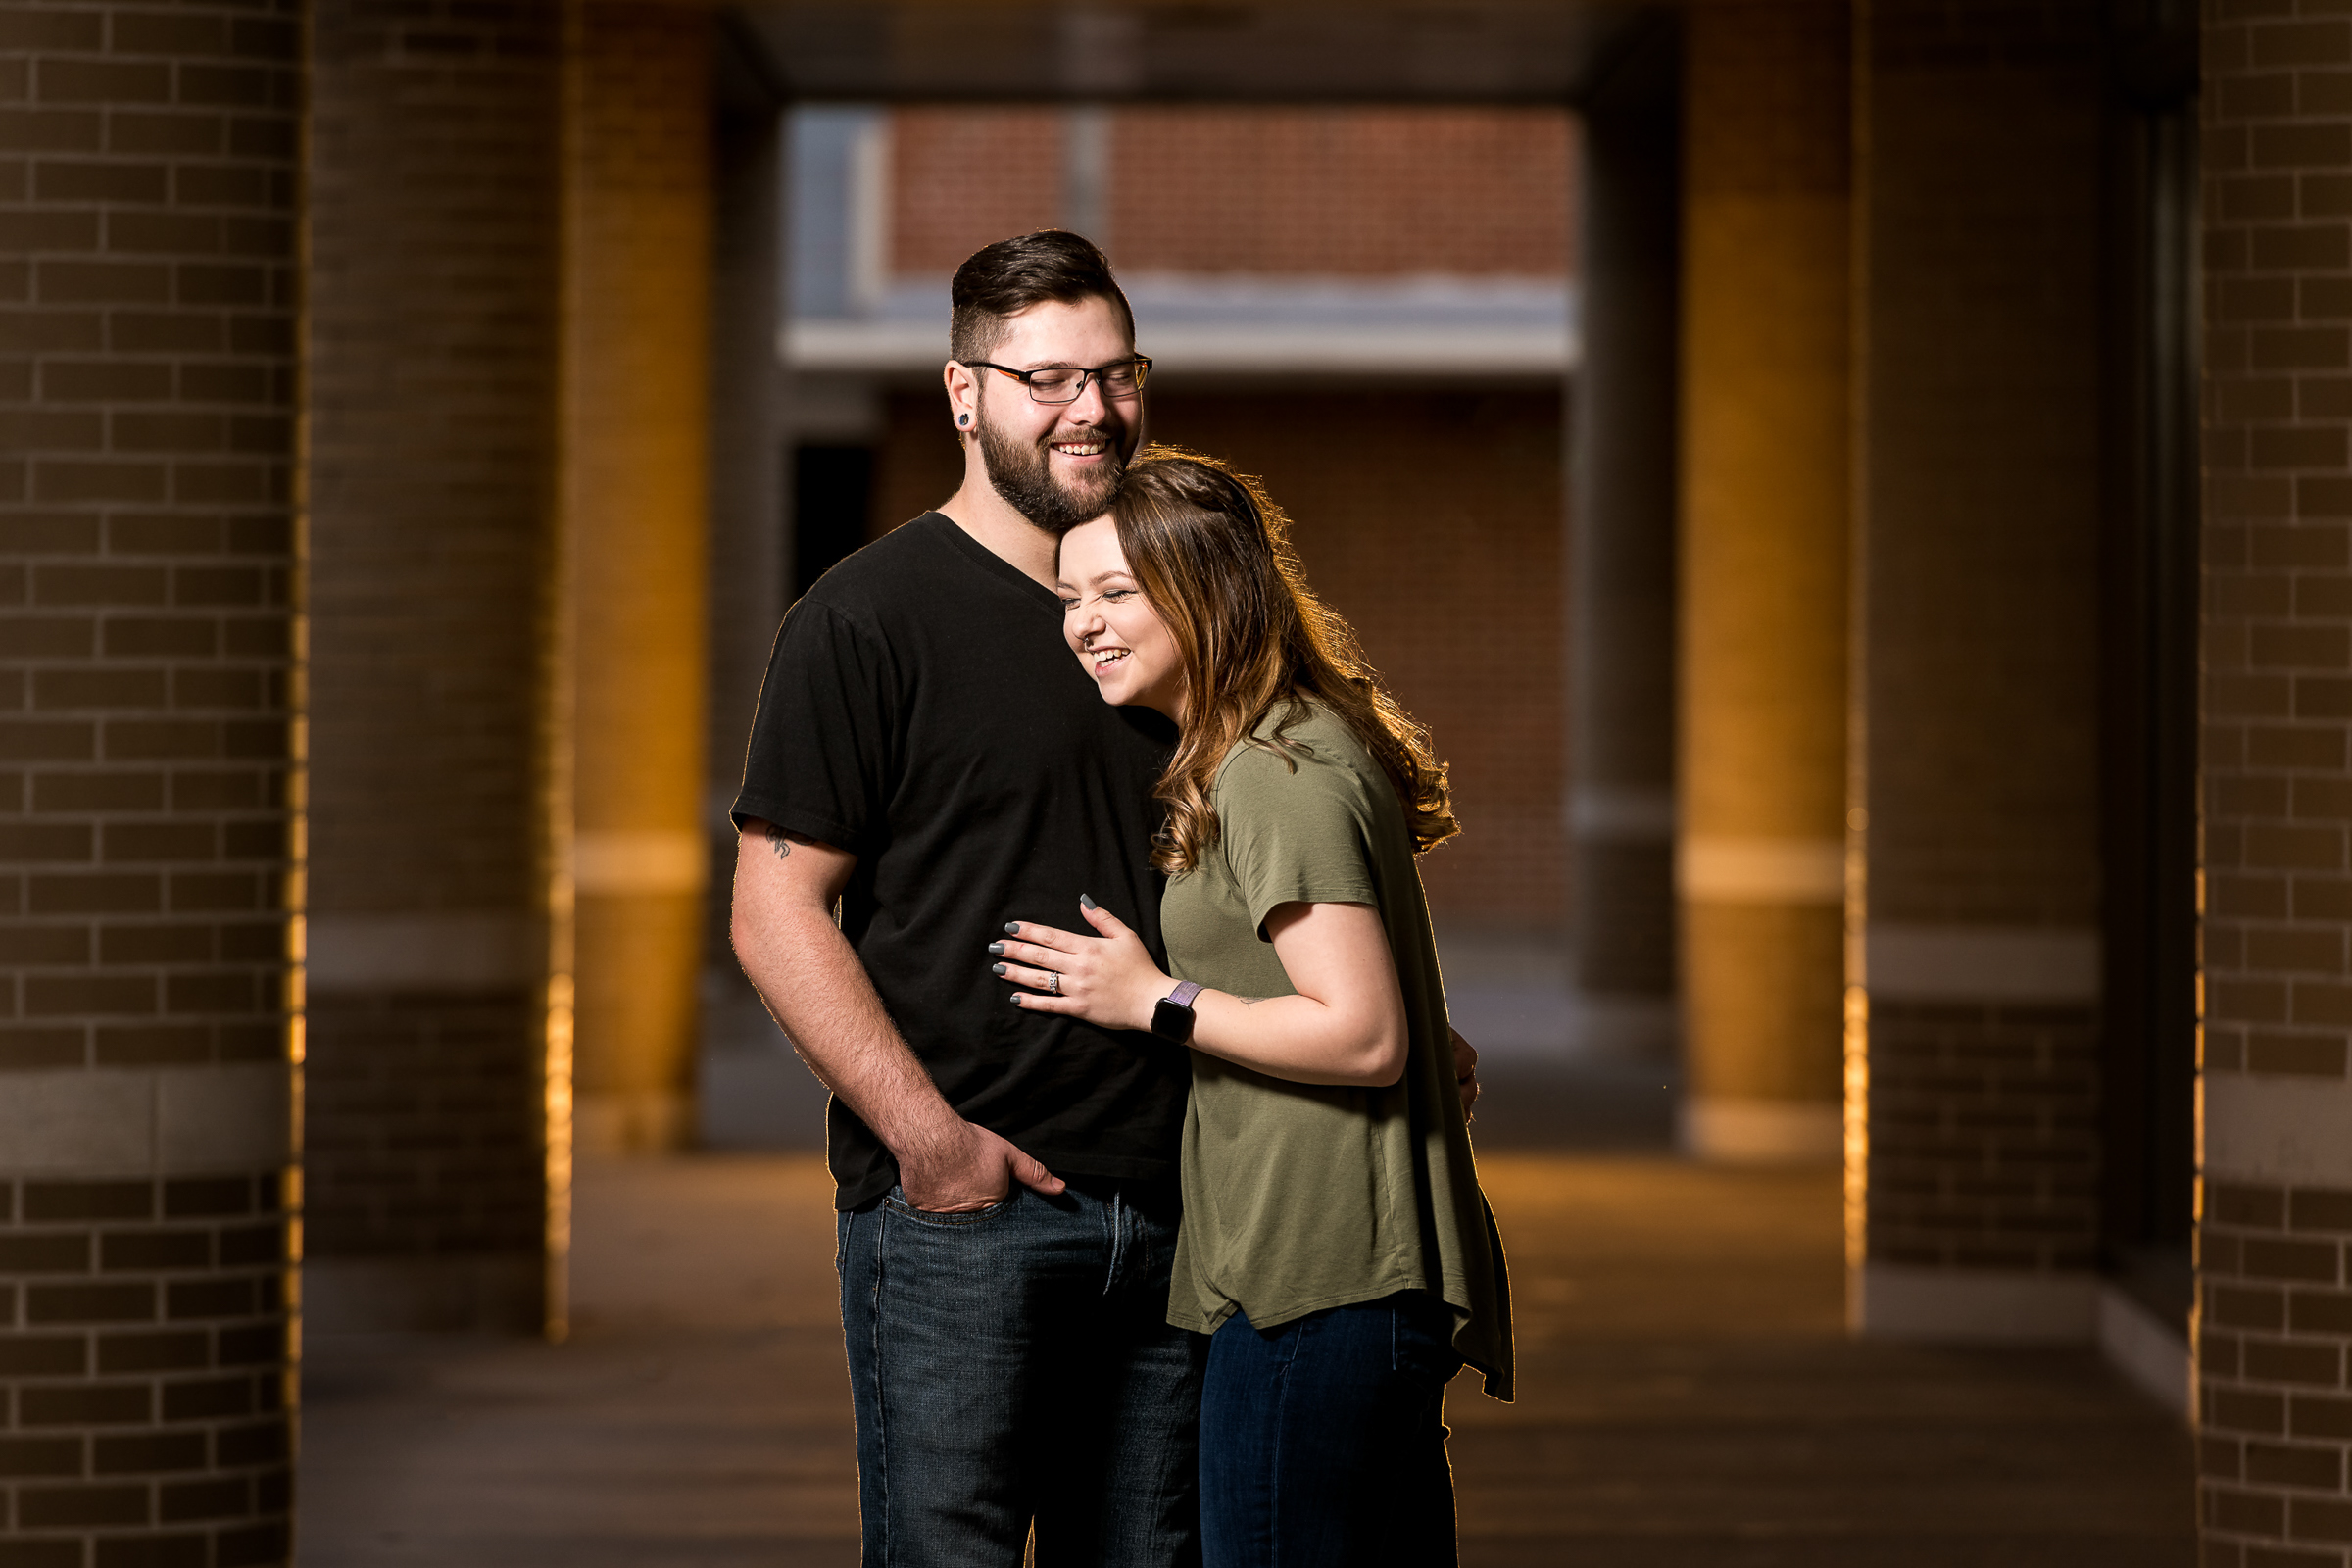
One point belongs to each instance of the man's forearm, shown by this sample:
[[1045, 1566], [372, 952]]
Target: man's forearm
[[811, 978]]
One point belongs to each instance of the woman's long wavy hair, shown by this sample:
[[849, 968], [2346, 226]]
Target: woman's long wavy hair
[[1212, 553]]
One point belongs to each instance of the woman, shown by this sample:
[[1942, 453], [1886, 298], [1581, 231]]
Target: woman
[[1334, 1241]]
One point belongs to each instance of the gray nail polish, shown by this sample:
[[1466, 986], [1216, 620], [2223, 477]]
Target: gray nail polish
[[1012, 928], [995, 947], [1086, 901], [995, 968]]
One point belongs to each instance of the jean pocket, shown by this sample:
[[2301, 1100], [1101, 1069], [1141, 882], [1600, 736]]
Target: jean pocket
[[1421, 1344], [897, 1203]]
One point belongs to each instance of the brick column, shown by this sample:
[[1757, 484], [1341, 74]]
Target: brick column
[[1621, 523], [1759, 859], [147, 780], [635, 475], [2274, 1221], [1974, 1048], [435, 352]]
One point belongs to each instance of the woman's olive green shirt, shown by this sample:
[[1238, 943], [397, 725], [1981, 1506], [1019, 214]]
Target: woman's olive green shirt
[[1302, 1197]]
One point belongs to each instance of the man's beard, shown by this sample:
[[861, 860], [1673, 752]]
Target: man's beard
[[1024, 476]]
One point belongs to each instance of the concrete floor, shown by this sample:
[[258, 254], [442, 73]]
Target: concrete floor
[[1687, 1398]]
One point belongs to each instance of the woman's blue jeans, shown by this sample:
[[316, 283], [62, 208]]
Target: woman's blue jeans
[[1323, 1441]]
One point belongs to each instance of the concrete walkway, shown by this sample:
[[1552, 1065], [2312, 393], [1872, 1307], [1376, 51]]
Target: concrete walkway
[[1689, 1398]]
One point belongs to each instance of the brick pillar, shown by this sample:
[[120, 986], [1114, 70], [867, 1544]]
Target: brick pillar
[[636, 409], [2274, 1221], [1621, 560], [1759, 859], [147, 781], [1974, 1046], [433, 354]]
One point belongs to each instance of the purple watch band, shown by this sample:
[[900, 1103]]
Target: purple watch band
[[1185, 991]]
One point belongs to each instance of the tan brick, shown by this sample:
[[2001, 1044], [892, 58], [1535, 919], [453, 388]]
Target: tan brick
[[2323, 196], [2306, 1055], [2308, 746], [2249, 1001], [2310, 595], [2305, 447], [2255, 697], [2321, 397], [2318, 951], [2294, 1466], [2302, 144], [2301, 44], [2322, 898], [2253, 199], [2325, 546], [2239, 398], [2323, 92], [2324, 298], [2323, 496]]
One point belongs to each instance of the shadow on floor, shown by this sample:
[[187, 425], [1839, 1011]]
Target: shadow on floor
[[1689, 1398]]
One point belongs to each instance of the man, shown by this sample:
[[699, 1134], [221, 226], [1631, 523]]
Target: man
[[929, 753]]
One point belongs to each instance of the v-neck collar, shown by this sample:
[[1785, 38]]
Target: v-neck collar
[[988, 561]]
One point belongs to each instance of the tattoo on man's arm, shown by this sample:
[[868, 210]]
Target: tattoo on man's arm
[[777, 842]]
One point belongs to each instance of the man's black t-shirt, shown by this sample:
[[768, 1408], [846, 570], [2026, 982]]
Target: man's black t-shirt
[[923, 712]]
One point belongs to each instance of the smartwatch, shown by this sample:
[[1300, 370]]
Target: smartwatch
[[1172, 1019]]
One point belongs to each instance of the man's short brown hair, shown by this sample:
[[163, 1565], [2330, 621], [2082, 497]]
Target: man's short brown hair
[[1000, 280]]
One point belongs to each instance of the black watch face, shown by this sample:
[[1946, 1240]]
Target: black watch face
[[1171, 1021]]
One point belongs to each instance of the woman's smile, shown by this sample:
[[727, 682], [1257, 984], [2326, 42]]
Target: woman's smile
[[1112, 627]]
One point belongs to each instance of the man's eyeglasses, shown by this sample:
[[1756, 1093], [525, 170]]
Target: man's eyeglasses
[[1067, 383]]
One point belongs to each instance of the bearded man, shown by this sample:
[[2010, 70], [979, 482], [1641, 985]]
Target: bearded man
[[928, 753]]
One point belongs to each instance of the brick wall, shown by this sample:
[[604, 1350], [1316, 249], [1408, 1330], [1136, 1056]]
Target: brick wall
[[147, 199], [2275, 1304], [961, 177], [433, 355], [1336, 192], [1342, 192], [1977, 779], [149, 1371], [1450, 570]]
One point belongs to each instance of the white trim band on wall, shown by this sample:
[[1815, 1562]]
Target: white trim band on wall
[[1763, 1132], [167, 1121], [1297, 347], [2290, 1131], [1967, 1305], [476, 952], [666, 860], [1759, 870], [1980, 963]]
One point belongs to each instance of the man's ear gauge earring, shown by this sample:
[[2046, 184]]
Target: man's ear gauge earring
[[963, 418]]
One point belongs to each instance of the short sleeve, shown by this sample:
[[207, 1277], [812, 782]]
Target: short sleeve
[[823, 747], [1293, 836]]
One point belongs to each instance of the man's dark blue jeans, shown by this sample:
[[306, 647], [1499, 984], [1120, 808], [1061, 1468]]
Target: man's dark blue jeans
[[1015, 1366], [1323, 1440]]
